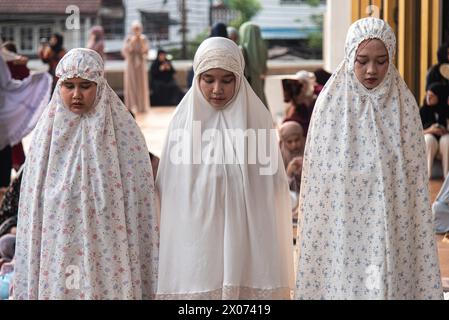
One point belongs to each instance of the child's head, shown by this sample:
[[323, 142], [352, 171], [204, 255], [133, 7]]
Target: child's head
[[437, 93], [292, 137], [431, 98], [371, 62], [7, 246], [80, 72], [218, 87]]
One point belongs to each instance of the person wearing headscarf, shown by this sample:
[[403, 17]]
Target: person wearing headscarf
[[233, 34], [135, 51], [96, 40], [292, 140], [434, 117], [299, 94], [256, 55], [224, 213], [291, 143], [21, 105], [51, 53], [87, 221], [440, 209], [366, 227], [164, 90], [219, 30], [439, 73], [7, 247]]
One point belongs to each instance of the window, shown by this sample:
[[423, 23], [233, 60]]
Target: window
[[155, 25], [7, 33], [112, 16], [26, 39]]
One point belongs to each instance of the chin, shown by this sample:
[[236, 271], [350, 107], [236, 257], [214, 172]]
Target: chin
[[218, 106]]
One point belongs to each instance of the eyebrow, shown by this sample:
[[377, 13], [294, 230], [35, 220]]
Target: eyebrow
[[365, 56], [83, 82], [212, 76]]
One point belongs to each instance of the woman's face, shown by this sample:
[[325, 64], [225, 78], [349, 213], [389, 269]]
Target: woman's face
[[294, 143], [431, 98], [218, 87], [371, 63], [137, 30], [53, 41], [78, 94]]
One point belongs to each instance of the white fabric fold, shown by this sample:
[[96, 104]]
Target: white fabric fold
[[226, 230]]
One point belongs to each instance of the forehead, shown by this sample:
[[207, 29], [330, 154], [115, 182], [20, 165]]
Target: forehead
[[217, 72], [293, 136], [372, 47], [77, 80]]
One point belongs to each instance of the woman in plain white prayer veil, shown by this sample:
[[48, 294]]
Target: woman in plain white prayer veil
[[366, 219], [87, 224], [226, 230]]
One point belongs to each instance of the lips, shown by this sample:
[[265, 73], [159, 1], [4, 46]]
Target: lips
[[371, 80]]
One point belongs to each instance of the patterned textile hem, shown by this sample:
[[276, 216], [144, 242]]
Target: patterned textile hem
[[230, 293]]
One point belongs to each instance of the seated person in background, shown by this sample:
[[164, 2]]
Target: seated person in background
[[7, 249], [9, 206], [434, 115], [154, 164], [440, 209], [299, 94], [321, 76], [164, 90], [439, 73], [292, 143]]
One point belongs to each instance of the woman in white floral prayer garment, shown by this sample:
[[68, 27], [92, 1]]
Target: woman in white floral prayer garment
[[226, 230], [87, 225], [366, 229]]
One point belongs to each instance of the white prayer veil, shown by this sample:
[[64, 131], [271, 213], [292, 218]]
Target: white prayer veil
[[366, 220], [227, 222], [87, 224]]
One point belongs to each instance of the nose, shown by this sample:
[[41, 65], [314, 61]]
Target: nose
[[371, 68], [217, 87], [77, 93]]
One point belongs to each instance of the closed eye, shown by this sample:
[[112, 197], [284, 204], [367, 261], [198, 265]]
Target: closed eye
[[68, 85]]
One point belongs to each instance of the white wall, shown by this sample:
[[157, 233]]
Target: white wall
[[273, 14], [336, 24]]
